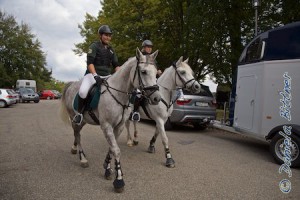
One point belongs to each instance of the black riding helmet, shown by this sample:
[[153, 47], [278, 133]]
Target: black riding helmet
[[104, 29]]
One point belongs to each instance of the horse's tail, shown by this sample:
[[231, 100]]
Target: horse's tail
[[63, 109]]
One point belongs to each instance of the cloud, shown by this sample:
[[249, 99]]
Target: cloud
[[55, 24]]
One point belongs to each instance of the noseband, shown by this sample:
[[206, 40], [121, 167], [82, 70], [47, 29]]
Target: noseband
[[142, 86], [181, 79]]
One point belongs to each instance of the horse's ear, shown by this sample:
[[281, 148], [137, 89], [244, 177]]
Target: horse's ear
[[179, 61], [154, 54], [138, 53], [186, 61]]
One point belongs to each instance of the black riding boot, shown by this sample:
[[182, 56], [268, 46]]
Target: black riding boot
[[135, 115], [78, 117]]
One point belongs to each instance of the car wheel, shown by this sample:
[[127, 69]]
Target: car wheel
[[168, 125], [200, 127], [36, 101], [277, 149], [3, 104]]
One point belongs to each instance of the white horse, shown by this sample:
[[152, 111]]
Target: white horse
[[112, 111], [177, 75]]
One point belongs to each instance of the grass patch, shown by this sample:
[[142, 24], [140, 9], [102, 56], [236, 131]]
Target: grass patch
[[220, 114]]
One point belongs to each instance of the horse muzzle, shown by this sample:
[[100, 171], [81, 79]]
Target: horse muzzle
[[195, 87]]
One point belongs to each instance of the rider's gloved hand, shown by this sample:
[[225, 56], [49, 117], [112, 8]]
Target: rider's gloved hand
[[98, 79]]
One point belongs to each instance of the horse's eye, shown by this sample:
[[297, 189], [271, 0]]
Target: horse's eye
[[182, 72], [144, 72]]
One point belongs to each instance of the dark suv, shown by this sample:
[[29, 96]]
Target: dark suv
[[196, 109]]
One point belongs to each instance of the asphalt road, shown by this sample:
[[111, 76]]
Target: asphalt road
[[36, 163]]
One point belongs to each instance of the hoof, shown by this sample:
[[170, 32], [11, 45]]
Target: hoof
[[170, 163], [84, 164], [108, 174], [130, 144], [151, 149], [74, 150], [119, 185], [135, 142]]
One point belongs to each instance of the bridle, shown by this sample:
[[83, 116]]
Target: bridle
[[181, 79], [184, 86], [144, 89]]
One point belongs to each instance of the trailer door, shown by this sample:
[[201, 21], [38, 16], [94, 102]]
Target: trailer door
[[245, 101]]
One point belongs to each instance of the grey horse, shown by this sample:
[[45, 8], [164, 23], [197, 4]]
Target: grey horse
[[113, 108], [179, 74]]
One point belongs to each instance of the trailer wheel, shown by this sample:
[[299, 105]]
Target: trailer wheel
[[277, 149]]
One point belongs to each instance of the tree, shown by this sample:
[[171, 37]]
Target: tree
[[211, 33], [21, 56]]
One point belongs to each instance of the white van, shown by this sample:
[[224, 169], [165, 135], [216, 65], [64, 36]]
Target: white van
[[267, 101], [26, 84]]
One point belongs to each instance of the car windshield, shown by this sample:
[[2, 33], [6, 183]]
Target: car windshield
[[203, 92], [26, 90]]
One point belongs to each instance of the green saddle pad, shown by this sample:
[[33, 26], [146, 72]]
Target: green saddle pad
[[91, 101]]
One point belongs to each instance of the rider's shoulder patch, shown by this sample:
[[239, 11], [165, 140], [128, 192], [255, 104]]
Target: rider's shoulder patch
[[90, 51]]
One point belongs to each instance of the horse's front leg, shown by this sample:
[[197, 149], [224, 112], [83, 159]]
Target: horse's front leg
[[115, 150], [160, 129], [77, 145], [107, 166]]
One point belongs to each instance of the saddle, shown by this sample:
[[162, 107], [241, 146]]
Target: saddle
[[91, 101]]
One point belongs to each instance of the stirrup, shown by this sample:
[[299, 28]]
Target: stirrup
[[135, 116], [77, 119]]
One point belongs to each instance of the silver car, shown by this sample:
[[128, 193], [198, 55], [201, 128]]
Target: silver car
[[27, 95], [16, 95], [6, 98], [195, 109]]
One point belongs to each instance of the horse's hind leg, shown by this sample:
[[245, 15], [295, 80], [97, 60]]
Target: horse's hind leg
[[77, 146], [129, 139], [135, 139], [151, 148]]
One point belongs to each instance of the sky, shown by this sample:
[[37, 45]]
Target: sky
[[55, 25]]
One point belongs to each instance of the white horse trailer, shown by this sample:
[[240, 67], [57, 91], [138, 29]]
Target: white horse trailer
[[267, 101], [26, 84]]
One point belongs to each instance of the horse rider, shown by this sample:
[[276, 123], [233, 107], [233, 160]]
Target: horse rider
[[101, 61], [147, 46]]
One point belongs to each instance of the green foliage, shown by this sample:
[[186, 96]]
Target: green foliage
[[21, 56], [53, 84], [211, 33]]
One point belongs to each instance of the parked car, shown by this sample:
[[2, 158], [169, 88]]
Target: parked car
[[57, 94], [6, 98], [16, 95], [27, 95], [196, 109], [47, 94]]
